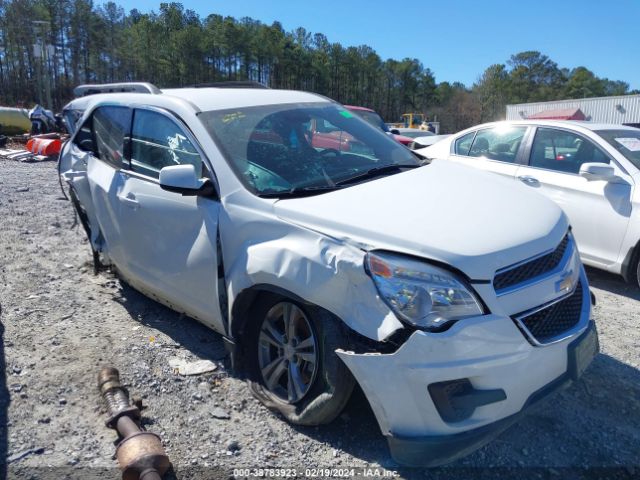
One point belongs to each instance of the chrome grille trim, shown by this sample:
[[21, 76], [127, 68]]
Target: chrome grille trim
[[569, 249], [580, 322]]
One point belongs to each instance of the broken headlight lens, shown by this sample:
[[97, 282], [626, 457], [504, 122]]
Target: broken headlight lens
[[419, 293]]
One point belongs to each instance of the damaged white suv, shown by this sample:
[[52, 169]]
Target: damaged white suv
[[321, 252]]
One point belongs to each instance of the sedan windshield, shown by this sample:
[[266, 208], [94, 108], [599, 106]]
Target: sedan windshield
[[289, 149], [627, 142]]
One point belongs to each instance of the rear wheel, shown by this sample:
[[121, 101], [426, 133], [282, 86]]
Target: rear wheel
[[291, 361]]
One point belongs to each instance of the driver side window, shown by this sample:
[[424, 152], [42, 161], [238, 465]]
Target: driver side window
[[157, 142]]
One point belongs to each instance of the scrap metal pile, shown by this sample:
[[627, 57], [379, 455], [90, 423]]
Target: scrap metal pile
[[46, 134]]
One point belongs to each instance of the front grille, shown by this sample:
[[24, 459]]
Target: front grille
[[529, 270], [554, 320]]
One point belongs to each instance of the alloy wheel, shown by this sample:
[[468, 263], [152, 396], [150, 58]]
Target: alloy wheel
[[287, 352]]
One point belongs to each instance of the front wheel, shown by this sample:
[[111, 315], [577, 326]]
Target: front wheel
[[635, 278], [291, 361]]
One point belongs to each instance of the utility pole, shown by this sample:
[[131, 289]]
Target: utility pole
[[41, 51]]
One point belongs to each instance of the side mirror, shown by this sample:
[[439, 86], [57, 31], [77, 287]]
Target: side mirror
[[183, 179], [597, 171], [395, 131]]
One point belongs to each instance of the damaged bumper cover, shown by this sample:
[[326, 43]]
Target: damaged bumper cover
[[442, 396]]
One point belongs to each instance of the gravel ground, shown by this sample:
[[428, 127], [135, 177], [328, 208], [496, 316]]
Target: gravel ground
[[61, 324]]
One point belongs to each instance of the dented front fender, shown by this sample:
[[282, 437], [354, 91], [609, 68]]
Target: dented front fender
[[321, 270]]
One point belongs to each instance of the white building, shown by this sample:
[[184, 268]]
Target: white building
[[624, 109]]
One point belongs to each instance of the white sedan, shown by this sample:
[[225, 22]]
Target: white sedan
[[589, 169]]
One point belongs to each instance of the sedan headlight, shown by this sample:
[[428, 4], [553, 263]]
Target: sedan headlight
[[419, 293]]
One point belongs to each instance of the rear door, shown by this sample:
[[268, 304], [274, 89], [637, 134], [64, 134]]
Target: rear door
[[496, 149], [169, 240], [109, 127], [599, 211]]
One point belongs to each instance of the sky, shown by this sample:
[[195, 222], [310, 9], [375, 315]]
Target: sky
[[459, 39]]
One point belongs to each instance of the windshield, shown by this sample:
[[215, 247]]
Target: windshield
[[627, 142], [373, 118], [279, 149]]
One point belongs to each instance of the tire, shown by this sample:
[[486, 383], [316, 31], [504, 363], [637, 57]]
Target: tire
[[635, 272], [325, 384]]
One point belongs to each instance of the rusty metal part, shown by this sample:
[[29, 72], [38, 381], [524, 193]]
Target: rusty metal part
[[140, 453], [115, 396]]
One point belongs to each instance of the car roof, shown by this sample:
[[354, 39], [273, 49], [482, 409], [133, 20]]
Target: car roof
[[82, 103], [559, 123], [224, 98], [353, 107], [203, 99]]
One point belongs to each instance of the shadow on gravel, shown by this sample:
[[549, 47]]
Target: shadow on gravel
[[185, 331], [612, 283], [4, 404], [589, 422], [593, 423]]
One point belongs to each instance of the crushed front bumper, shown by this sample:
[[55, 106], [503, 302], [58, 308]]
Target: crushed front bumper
[[490, 354]]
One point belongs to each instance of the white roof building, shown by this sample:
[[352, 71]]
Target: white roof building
[[624, 109]]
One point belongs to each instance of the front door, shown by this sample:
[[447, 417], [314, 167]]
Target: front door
[[169, 240]]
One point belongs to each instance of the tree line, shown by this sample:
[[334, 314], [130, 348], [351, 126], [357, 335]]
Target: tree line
[[47, 47]]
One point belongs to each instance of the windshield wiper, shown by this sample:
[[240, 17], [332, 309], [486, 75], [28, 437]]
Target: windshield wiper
[[376, 172], [300, 192]]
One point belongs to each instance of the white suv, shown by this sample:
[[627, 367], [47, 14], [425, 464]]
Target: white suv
[[325, 267], [589, 169]]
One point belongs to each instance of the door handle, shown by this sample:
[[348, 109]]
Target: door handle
[[528, 180], [129, 200]]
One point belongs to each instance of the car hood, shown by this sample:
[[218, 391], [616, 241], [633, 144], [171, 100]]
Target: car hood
[[431, 140], [474, 221]]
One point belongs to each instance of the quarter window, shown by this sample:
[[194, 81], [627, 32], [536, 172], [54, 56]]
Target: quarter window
[[110, 126], [500, 143], [84, 138], [157, 142], [463, 144], [563, 151]]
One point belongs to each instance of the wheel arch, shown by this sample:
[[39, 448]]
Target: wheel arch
[[241, 308]]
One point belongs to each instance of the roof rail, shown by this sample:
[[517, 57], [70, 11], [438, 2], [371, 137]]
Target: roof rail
[[130, 87], [229, 84]]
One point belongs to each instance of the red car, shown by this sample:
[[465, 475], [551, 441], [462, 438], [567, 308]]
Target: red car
[[327, 136], [374, 119]]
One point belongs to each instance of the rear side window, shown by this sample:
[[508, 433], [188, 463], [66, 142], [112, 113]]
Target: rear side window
[[499, 143], [463, 144], [110, 126], [563, 151], [157, 142]]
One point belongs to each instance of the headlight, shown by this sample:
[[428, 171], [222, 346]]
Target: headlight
[[419, 293]]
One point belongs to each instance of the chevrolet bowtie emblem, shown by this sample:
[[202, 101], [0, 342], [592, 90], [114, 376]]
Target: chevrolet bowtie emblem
[[567, 282]]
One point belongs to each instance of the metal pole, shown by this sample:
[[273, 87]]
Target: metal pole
[[44, 88]]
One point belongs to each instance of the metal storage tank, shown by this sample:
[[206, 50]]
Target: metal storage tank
[[624, 109]]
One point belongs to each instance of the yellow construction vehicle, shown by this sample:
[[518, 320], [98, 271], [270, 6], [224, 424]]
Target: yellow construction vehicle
[[411, 120]]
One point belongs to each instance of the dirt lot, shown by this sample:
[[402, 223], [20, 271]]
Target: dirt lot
[[61, 324]]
